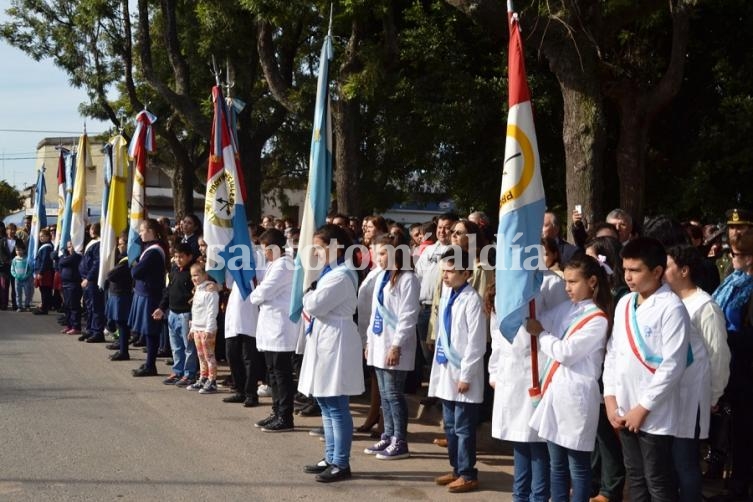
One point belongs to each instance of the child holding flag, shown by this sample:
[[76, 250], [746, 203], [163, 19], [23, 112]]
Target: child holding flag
[[457, 377], [573, 336]]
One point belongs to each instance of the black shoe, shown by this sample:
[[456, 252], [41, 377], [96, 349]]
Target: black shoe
[[118, 356], [266, 421], [112, 346], [250, 402], [333, 473], [164, 353], [316, 468], [279, 425], [145, 372], [96, 339], [235, 398], [311, 410], [40, 312], [301, 399], [83, 337]]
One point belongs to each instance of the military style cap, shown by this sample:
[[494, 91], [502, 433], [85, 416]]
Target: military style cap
[[739, 216]]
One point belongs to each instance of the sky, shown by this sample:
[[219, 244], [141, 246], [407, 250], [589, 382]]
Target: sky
[[34, 96]]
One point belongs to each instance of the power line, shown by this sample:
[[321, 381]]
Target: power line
[[49, 132]]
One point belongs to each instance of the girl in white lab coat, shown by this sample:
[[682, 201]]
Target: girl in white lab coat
[[573, 336], [332, 361], [391, 342], [510, 376]]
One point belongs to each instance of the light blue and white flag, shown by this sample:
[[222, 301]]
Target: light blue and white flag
[[38, 218], [318, 192]]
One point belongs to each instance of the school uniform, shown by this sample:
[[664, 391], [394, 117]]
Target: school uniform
[[510, 370], [568, 412], [149, 281], [392, 323], [646, 358], [94, 298], [276, 334], [43, 267], [332, 370], [459, 357]]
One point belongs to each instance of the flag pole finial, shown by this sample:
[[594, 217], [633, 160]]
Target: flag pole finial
[[215, 71], [331, 11]]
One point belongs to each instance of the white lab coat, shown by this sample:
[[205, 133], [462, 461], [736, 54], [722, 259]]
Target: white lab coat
[[510, 370], [468, 340], [276, 332], [696, 383], [334, 350], [708, 318], [402, 301], [568, 413], [665, 324], [241, 315]]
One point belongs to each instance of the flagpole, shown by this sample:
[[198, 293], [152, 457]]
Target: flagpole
[[535, 390]]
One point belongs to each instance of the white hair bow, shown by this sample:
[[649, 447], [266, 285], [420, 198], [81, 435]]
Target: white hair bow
[[603, 263]]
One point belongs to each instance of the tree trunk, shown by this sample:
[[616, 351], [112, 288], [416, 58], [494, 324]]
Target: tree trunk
[[631, 154], [584, 130], [347, 140]]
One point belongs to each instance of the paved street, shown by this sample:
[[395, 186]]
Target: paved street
[[76, 426]]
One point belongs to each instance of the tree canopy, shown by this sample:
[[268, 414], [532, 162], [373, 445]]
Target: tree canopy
[[629, 98]]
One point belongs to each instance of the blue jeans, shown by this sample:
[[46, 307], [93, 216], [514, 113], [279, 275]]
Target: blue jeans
[[185, 360], [24, 292], [338, 429], [394, 407], [460, 421], [569, 466], [531, 482]]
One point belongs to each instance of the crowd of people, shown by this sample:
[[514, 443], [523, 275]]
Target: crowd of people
[[642, 339]]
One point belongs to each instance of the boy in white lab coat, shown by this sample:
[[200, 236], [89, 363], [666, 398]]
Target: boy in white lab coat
[[646, 358], [457, 377]]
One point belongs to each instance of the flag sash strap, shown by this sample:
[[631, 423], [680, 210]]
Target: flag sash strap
[[552, 366], [635, 337], [444, 340], [387, 315], [341, 268], [149, 248], [638, 345]]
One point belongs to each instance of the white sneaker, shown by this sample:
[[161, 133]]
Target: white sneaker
[[264, 391]]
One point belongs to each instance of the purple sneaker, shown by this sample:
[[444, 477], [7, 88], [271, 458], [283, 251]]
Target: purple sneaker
[[395, 451], [379, 446]]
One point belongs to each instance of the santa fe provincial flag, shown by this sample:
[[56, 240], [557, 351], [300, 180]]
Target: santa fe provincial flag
[[521, 202], [229, 247]]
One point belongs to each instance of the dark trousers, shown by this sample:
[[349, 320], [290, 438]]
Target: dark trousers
[[152, 345], [124, 333], [46, 292], [280, 373], [649, 467], [72, 304], [94, 300], [240, 355], [6, 282], [606, 461], [742, 441]]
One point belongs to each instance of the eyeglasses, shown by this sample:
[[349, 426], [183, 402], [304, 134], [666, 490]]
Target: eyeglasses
[[734, 254], [458, 233]]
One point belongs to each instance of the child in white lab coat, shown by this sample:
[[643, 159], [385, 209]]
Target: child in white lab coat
[[457, 377], [573, 336]]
